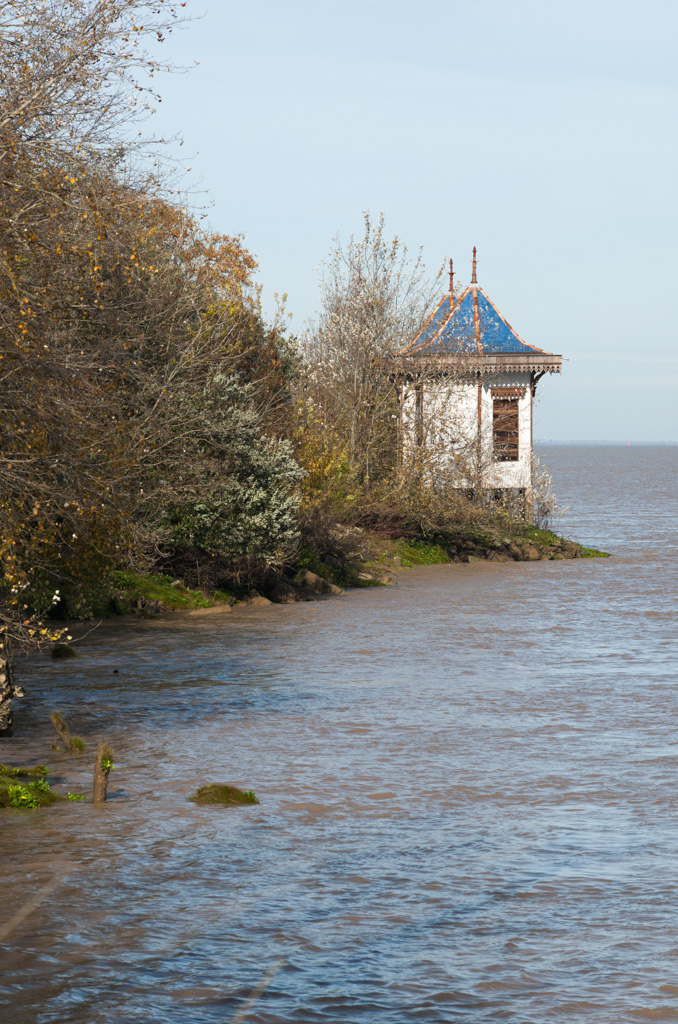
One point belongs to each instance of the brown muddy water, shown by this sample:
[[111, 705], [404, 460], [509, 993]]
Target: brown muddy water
[[468, 783]]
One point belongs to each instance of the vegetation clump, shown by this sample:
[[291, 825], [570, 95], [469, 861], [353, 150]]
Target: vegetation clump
[[220, 793], [25, 794], [40, 770]]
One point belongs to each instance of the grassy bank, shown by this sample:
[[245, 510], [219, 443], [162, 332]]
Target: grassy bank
[[132, 593]]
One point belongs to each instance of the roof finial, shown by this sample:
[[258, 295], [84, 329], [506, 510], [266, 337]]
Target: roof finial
[[451, 283], [474, 279]]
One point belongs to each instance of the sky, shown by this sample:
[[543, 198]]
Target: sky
[[543, 133]]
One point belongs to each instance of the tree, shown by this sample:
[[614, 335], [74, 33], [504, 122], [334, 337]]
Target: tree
[[118, 314], [69, 84], [374, 299], [75, 77]]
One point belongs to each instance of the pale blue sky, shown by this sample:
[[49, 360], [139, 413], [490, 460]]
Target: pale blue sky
[[542, 132]]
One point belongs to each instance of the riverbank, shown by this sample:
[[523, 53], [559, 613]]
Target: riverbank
[[352, 557]]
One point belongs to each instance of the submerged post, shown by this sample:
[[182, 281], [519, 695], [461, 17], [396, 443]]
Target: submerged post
[[103, 766], [72, 744], [62, 730]]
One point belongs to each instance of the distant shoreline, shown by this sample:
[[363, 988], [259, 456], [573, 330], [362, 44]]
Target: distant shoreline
[[610, 444]]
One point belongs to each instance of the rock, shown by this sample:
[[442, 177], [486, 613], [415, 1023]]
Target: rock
[[476, 558], [155, 608], [256, 600], [398, 562], [365, 576], [316, 584], [283, 593], [388, 579], [532, 553], [499, 556], [515, 552], [63, 651]]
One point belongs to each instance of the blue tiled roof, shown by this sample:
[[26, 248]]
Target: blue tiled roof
[[475, 327], [458, 333], [435, 321]]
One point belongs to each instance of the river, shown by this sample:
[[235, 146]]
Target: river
[[468, 784]]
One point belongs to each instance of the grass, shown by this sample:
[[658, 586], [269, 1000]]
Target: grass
[[538, 536], [220, 793], [39, 769], [420, 552], [160, 588], [548, 537]]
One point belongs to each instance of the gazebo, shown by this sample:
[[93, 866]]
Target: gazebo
[[466, 387]]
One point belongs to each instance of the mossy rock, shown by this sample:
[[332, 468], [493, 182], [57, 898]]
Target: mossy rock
[[63, 651], [155, 593], [220, 793]]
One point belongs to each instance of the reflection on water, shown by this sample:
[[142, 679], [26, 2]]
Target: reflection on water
[[468, 783]]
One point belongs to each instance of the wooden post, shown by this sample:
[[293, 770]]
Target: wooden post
[[62, 730], [102, 768]]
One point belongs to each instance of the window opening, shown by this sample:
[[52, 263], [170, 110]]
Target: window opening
[[505, 429]]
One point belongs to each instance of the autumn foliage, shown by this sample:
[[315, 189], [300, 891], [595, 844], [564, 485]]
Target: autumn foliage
[[132, 350]]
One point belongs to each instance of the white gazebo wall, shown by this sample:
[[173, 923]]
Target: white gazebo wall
[[449, 430]]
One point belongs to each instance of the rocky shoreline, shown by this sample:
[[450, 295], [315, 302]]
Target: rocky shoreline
[[353, 557]]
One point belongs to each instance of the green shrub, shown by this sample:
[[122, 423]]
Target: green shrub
[[236, 497]]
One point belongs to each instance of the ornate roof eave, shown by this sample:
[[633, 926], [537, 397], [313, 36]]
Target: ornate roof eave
[[474, 364]]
